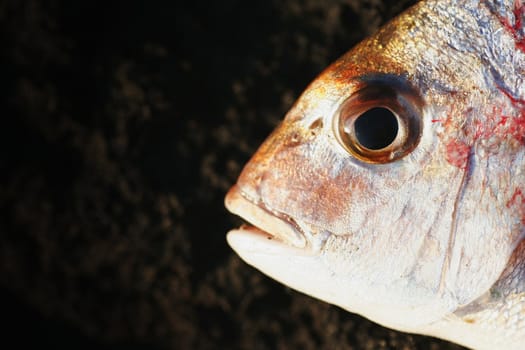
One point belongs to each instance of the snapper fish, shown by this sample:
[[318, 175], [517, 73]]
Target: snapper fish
[[395, 186]]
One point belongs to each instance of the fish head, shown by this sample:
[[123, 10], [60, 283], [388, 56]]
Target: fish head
[[388, 187]]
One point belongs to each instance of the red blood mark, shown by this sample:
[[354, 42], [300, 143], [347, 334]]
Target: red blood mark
[[514, 30], [502, 121], [517, 202], [457, 154], [479, 129], [496, 125], [515, 126], [512, 126]]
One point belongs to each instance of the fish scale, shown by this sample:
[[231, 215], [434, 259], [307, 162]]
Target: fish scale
[[424, 235]]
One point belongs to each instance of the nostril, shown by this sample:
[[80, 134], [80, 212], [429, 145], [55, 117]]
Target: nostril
[[316, 126], [294, 139]]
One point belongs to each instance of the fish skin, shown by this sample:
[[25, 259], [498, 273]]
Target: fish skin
[[432, 242]]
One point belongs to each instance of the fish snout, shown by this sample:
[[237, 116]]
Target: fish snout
[[265, 220]]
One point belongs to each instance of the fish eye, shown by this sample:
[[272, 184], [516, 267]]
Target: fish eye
[[376, 128], [379, 123]]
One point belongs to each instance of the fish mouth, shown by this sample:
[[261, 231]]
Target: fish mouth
[[270, 223]]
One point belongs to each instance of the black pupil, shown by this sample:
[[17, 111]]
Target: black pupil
[[376, 128]]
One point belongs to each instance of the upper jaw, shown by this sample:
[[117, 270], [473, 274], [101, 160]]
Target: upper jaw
[[274, 223]]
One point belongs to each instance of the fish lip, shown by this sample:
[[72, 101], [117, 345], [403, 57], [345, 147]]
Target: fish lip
[[265, 219]]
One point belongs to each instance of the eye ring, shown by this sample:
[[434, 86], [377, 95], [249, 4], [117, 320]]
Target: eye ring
[[380, 123]]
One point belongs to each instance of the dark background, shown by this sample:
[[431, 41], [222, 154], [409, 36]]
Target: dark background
[[123, 125]]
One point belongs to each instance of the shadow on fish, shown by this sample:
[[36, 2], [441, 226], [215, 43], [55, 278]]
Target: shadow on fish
[[395, 186]]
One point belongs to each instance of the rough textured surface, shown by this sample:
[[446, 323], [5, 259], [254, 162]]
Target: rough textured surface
[[122, 129]]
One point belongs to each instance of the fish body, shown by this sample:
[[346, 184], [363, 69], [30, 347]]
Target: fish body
[[395, 186]]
